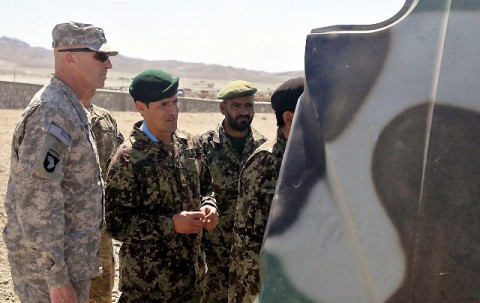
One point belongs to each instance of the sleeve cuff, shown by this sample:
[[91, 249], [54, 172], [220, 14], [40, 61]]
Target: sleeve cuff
[[210, 203], [57, 279], [167, 226]]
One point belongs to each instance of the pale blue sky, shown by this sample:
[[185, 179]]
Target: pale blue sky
[[267, 35]]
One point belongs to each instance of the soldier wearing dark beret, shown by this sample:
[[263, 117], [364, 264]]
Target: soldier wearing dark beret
[[227, 147], [256, 186], [159, 198], [284, 100]]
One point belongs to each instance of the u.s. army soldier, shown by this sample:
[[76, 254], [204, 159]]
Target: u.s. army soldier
[[54, 196], [107, 139]]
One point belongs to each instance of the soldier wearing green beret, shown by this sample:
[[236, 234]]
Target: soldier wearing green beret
[[227, 147], [256, 185], [159, 198]]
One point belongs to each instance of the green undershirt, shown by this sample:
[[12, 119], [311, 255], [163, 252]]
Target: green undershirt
[[238, 143]]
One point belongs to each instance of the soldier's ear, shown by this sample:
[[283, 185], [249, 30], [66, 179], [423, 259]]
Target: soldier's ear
[[223, 107], [288, 118], [140, 106], [69, 58]]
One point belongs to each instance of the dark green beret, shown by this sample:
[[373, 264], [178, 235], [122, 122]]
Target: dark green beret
[[285, 97], [235, 89], [153, 85]]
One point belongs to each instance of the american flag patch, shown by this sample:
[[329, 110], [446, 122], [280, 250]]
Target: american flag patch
[[59, 133]]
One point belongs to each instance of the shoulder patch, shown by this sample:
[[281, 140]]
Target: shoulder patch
[[51, 160], [59, 133]]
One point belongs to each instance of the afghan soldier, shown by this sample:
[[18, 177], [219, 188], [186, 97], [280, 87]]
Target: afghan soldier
[[107, 139], [227, 148], [159, 198], [54, 200], [256, 189]]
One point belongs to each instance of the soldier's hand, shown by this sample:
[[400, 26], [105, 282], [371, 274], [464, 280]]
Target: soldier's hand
[[188, 222], [211, 217], [64, 294]]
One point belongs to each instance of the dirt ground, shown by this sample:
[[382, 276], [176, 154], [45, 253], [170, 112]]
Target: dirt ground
[[194, 123]]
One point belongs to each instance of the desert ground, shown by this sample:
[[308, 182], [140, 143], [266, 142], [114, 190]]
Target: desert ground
[[194, 123]]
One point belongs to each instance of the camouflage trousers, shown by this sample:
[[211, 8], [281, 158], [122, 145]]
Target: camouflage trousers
[[102, 285], [216, 290]]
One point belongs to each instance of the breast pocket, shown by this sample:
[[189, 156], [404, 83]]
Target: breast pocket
[[189, 178]]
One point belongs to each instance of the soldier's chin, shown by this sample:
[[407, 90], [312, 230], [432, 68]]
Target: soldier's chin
[[241, 126]]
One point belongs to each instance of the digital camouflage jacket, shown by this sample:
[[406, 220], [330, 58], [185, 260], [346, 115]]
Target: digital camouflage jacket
[[54, 200], [106, 134], [147, 184], [107, 138], [225, 165], [256, 189]]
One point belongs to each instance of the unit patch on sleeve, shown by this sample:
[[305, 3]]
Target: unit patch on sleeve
[[51, 160]]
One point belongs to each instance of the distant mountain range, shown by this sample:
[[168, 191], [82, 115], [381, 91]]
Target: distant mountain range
[[17, 52]]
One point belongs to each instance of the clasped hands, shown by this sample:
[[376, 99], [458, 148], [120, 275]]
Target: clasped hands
[[192, 222]]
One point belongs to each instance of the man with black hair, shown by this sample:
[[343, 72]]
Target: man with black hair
[[227, 147], [158, 199], [256, 187]]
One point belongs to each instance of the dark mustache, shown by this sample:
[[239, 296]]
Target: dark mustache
[[244, 116]]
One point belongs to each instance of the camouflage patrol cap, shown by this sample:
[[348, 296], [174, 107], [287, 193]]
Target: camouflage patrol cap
[[235, 89], [153, 85], [75, 33], [285, 97]]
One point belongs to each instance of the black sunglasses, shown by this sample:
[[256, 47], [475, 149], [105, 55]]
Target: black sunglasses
[[102, 57]]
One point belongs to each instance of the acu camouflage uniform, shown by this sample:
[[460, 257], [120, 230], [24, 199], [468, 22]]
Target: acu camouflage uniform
[[54, 197], [147, 184], [256, 189], [225, 165], [107, 138]]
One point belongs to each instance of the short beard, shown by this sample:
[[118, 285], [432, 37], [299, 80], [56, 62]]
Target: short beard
[[238, 126]]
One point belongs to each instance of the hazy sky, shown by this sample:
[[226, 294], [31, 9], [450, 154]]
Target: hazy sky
[[267, 35]]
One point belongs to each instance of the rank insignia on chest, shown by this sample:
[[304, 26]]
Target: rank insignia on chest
[[51, 161], [183, 180]]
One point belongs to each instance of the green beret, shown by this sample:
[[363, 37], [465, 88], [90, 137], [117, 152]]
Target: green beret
[[235, 89], [153, 85], [285, 97]]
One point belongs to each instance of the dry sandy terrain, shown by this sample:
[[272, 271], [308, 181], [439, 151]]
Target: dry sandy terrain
[[192, 122]]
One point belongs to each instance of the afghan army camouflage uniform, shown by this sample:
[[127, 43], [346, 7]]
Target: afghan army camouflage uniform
[[54, 197], [256, 189], [225, 165], [147, 184], [107, 138]]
